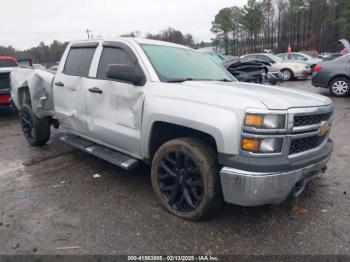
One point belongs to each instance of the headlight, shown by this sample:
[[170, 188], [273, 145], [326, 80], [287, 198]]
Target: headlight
[[262, 145], [270, 121]]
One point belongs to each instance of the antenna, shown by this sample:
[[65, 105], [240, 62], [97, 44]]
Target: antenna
[[88, 33]]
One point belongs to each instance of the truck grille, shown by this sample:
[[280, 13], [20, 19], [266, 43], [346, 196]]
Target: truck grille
[[303, 144], [308, 120], [4, 81]]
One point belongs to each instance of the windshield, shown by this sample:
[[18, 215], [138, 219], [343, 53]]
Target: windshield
[[174, 64], [275, 58], [7, 63], [217, 58]]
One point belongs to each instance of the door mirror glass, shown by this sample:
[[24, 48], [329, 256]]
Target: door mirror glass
[[125, 73]]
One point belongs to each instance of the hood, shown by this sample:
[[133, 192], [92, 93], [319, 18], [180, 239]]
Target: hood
[[346, 44], [241, 95]]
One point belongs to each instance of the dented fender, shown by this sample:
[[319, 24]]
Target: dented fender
[[35, 83]]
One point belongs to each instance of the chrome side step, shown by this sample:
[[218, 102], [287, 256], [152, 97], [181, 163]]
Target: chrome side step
[[100, 151]]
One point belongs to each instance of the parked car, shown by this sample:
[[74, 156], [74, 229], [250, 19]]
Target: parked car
[[25, 62], [207, 137], [289, 70], [335, 74], [6, 65], [302, 58], [253, 72]]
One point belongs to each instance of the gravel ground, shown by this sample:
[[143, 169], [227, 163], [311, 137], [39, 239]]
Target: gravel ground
[[50, 200]]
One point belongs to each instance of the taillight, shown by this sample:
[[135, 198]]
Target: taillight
[[318, 68]]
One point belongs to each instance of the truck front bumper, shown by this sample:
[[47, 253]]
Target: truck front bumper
[[254, 189]]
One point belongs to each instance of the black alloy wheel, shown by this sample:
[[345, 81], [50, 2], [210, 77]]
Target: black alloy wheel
[[185, 178], [180, 181]]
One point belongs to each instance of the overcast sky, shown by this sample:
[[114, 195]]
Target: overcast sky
[[25, 23]]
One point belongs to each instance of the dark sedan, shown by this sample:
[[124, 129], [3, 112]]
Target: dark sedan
[[334, 75]]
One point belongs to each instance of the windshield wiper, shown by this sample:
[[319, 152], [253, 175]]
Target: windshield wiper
[[225, 80], [181, 80], [219, 80]]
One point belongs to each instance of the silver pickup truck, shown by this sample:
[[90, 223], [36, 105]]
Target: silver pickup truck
[[207, 137]]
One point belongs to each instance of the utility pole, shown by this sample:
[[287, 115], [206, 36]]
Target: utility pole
[[88, 33]]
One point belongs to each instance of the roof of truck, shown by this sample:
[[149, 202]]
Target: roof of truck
[[140, 41], [7, 58]]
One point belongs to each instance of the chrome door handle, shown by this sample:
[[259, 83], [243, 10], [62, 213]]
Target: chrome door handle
[[95, 90], [59, 84]]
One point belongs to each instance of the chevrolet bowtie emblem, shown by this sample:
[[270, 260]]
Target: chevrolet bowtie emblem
[[324, 128]]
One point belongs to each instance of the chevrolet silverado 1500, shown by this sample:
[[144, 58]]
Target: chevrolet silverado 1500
[[207, 137]]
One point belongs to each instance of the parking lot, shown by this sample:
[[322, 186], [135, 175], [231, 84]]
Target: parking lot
[[58, 200]]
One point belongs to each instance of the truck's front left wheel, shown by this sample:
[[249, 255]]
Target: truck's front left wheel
[[35, 130], [185, 178]]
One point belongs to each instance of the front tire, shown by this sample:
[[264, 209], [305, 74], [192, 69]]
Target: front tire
[[36, 131], [185, 178], [340, 87], [287, 74]]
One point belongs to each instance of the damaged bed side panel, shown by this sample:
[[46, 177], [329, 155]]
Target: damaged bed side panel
[[33, 84]]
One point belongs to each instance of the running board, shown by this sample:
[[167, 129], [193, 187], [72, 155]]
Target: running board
[[105, 153]]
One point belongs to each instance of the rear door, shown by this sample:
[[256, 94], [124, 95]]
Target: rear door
[[114, 108], [68, 88]]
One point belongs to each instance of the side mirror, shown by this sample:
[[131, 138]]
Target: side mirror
[[125, 73]]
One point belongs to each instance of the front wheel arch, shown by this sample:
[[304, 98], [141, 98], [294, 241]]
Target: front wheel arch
[[291, 73]]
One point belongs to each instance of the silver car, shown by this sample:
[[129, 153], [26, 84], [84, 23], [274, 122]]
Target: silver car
[[289, 70], [302, 58]]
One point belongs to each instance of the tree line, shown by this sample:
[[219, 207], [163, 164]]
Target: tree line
[[41, 54], [46, 54], [276, 24]]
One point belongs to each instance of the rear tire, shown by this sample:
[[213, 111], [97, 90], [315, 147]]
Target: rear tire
[[186, 180], [340, 87], [36, 131]]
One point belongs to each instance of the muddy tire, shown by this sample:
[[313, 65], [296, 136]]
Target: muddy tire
[[185, 178], [340, 87], [35, 130]]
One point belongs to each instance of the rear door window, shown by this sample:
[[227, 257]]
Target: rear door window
[[248, 58], [112, 55], [264, 58], [78, 61], [7, 63]]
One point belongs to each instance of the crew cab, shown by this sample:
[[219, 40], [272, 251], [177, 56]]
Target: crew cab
[[207, 137], [7, 63]]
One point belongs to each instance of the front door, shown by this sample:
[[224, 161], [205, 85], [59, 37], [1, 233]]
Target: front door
[[114, 109]]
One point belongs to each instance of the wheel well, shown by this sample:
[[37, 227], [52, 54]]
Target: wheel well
[[338, 76], [163, 132], [287, 69], [24, 96]]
